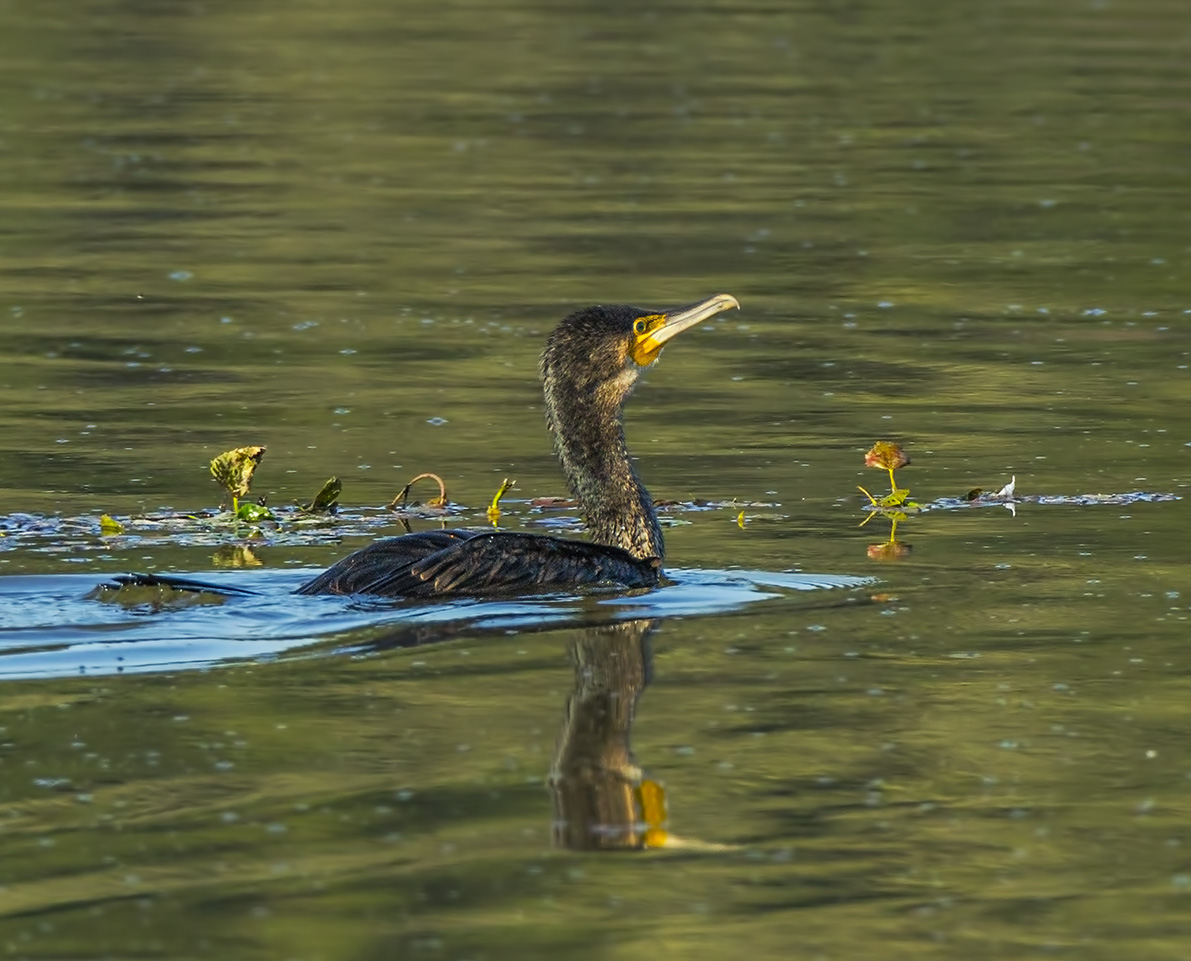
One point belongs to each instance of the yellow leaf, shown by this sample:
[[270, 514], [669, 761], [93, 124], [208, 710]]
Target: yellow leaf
[[233, 470], [896, 499], [109, 525]]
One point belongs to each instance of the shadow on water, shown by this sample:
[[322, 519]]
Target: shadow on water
[[58, 625]]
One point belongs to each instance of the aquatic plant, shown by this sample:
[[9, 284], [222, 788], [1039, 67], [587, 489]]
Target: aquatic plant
[[233, 470]]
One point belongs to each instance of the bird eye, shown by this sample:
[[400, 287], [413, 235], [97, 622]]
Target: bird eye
[[639, 326]]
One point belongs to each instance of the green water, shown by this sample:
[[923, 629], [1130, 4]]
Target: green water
[[343, 230]]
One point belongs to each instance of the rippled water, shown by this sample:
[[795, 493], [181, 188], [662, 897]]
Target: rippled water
[[64, 624], [343, 231]]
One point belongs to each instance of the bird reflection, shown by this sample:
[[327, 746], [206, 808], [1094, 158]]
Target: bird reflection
[[601, 799]]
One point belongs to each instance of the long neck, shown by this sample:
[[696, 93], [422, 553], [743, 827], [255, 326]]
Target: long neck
[[589, 439]]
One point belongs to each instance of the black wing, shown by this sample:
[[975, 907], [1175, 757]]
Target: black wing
[[354, 572], [467, 563]]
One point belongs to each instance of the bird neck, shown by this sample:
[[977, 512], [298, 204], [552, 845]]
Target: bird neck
[[615, 505]]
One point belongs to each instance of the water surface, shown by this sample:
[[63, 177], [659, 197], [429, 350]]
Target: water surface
[[343, 230]]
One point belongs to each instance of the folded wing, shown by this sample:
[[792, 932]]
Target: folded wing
[[470, 563]]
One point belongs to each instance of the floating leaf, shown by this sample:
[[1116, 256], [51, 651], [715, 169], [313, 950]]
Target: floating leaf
[[108, 525], [253, 513], [558, 502], [896, 498]]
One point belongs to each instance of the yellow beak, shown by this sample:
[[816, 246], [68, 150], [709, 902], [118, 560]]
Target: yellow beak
[[661, 328]]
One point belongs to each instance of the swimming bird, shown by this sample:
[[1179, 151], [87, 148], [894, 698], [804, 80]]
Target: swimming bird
[[589, 367]]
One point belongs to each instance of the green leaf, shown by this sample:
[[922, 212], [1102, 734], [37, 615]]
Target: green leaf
[[253, 512], [108, 525], [326, 501], [895, 499]]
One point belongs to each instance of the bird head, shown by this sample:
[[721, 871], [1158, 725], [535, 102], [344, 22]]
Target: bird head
[[601, 351]]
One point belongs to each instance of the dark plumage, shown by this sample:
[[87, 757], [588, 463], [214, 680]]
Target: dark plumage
[[589, 367]]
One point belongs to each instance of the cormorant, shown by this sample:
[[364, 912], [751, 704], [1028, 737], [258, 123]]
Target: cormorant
[[589, 367]]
